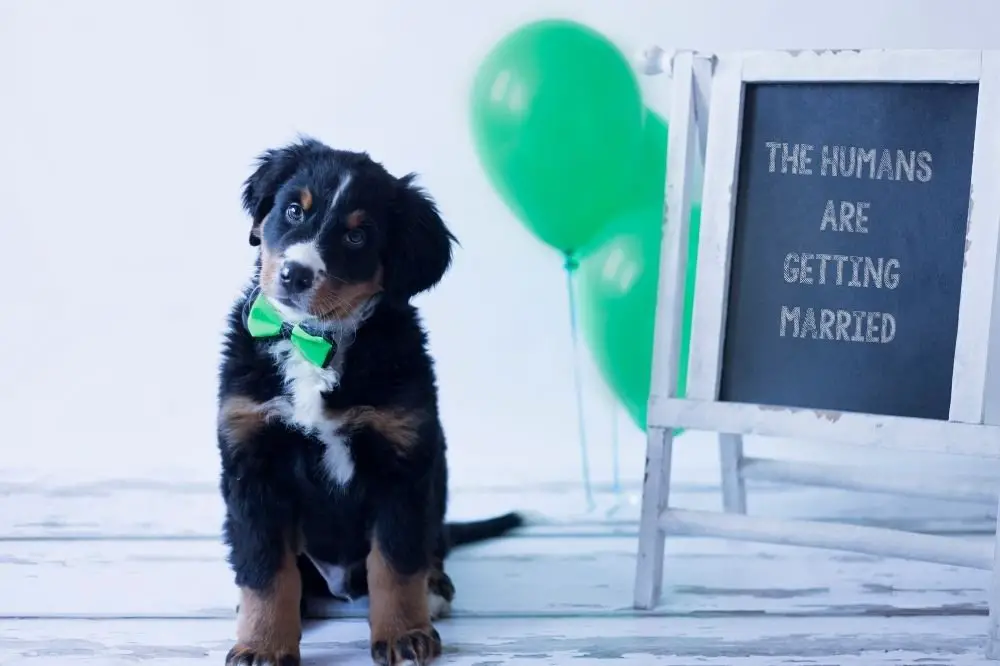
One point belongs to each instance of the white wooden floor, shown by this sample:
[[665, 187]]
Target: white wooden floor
[[126, 572]]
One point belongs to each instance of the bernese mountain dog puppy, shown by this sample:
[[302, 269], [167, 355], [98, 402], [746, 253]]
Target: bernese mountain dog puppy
[[333, 456]]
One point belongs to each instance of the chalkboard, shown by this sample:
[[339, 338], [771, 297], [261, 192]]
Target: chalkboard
[[848, 246]]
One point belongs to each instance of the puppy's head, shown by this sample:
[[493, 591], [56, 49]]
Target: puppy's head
[[335, 229]]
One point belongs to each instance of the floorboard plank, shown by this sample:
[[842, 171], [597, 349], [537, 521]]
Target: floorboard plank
[[149, 509], [582, 642], [555, 577]]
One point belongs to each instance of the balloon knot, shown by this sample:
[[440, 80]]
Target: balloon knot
[[571, 263]]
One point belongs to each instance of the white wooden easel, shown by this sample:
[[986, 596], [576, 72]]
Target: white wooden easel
[[973, 428]]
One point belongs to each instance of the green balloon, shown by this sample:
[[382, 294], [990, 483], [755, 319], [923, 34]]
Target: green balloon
[[651, 179], [617, 291], [557, 120]]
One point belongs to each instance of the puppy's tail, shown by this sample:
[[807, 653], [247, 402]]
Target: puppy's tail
[[465, 533]]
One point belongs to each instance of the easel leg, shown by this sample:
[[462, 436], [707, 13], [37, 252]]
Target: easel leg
[[655, 499], [993, 638], [734, 491]]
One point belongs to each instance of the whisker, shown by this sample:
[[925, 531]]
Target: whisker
[[249, 300]]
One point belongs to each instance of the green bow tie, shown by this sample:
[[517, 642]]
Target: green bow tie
[[264, 321]]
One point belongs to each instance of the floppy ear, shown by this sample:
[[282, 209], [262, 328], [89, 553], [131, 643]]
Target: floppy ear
[[274, 168], [418, 244]]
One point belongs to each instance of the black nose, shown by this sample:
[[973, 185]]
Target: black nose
[[295, 277]]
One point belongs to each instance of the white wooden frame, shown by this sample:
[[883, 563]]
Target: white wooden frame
[[973, 426]]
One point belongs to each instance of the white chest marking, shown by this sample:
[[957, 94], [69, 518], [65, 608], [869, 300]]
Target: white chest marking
[[306, 383]]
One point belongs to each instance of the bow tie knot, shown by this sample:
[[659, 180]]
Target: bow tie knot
[[264, 321]]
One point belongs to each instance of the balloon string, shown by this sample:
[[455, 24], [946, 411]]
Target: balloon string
[[615, 470], [570, 266]]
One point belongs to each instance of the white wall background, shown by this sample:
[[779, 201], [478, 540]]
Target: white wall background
[[126, 129]]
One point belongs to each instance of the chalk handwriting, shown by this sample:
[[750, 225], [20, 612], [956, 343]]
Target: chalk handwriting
[[889, 164], [840, 270]]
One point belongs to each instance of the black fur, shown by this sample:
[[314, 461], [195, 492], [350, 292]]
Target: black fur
[[274, 485], [456, 535]]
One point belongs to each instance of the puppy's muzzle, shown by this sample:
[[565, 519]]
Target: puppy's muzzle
[[296, 278]]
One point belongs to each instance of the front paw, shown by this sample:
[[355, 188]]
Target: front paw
[[440, 593], [241, 655], [416, 647]]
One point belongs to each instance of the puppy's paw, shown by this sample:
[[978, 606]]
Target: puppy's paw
[[440, 594], [413, 648], [242, 655]]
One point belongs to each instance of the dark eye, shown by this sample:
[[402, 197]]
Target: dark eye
[[354, 238], [294, 213]]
